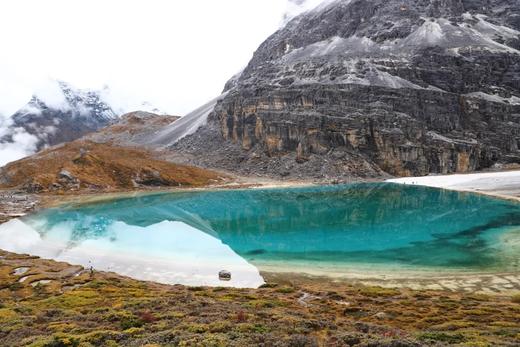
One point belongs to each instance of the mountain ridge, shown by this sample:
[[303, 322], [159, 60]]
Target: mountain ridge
[[372, 87]]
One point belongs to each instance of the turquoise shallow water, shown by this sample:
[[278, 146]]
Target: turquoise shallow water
[[379, 226]]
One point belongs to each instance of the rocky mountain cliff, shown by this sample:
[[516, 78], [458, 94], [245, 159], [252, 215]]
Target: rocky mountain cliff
[[360, 88], [64, 117]]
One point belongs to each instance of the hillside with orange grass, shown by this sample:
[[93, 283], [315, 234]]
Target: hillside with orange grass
[[86, 165]]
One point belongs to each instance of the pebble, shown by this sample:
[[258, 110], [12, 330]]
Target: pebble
[[20, 271], [382, 315]]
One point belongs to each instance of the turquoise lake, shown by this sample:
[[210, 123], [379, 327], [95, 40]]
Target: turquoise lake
[[187, 237]]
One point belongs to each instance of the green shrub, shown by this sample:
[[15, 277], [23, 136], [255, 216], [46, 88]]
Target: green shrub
[[443, 337], [285, 290], [62, 341], [131, 322]]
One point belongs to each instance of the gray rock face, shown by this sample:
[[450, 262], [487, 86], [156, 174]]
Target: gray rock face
[[407, 87], [14, 204]]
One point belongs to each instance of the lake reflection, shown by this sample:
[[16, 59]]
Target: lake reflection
[[383, 226], [166, 252]]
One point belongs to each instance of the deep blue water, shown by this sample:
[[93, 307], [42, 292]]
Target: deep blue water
[[374, 224]]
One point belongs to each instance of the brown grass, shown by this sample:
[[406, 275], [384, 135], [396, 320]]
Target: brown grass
[[133, 124], [99, 167], [103, 309]]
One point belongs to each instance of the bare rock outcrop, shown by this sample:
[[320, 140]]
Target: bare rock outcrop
[[376, 86]]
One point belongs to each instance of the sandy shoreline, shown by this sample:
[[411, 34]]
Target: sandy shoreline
[[500, 283], [52, 200], [504, 184]]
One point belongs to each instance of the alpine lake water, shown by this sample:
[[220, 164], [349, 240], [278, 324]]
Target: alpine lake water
[[338, 231]]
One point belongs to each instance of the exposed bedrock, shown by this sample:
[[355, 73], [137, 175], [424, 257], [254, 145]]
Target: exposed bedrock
[[399, 87], [403, 131]]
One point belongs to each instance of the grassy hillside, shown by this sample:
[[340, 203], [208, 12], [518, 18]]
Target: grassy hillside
[[86, 165]]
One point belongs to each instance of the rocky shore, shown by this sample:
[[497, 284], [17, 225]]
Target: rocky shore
[[15, 203]]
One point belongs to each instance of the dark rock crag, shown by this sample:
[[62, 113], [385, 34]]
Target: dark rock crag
[[364, 88]]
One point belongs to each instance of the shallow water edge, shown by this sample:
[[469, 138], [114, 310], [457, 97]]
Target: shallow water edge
[[228, 249]]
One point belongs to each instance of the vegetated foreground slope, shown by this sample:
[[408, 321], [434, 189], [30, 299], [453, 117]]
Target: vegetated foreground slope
[[57, 304], [359, 88], [86, 165]]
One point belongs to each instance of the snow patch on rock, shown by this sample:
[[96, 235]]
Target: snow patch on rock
[[513, 100], [185, 126]]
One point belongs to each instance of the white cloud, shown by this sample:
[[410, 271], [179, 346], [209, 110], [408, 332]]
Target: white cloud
[[50, 92], [22, 145], [14, 91]]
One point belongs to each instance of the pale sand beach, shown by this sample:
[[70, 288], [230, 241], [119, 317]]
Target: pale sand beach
[[504, 184], [500, 283]]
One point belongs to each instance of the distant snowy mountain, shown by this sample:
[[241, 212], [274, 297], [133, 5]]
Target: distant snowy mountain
[[150, 108], [66, 115], [59, 112]]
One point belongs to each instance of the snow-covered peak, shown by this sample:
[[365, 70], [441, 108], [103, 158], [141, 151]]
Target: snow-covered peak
[[56, 113], [59, 112], [59, 96]]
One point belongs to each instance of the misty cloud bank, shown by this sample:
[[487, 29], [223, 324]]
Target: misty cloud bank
[[16, 142], [22, 144]]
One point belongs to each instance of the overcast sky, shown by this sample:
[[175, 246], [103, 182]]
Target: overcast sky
[[174, 54]]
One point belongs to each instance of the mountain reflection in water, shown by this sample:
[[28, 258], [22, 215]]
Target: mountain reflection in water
[[379, 225]]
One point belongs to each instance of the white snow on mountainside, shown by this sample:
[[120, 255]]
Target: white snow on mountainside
[[57, 113], [185, 126], [434, 32]]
